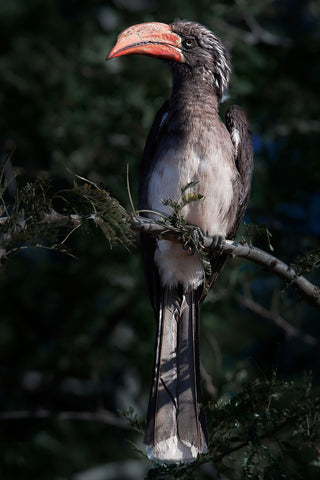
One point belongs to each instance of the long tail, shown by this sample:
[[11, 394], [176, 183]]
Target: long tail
[[176, 426]]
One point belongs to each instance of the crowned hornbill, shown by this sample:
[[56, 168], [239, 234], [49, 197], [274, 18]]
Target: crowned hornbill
[[188, 143]]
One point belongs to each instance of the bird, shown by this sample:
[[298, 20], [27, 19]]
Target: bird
[[188, 147]]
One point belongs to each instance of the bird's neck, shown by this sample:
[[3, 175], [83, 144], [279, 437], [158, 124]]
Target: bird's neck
[[192, 98]]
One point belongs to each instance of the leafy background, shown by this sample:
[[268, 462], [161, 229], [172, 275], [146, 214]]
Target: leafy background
[[76, 331]]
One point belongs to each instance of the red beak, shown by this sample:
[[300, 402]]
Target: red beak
[[153, 39]]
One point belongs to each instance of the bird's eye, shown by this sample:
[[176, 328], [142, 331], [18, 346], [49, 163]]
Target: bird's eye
[[188, 42]]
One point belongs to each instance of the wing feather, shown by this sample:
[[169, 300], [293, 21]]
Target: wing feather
[[238, 127], [148, 243]]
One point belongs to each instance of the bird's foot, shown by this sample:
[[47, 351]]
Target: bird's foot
[[217, 244], [189, 248], [195, 242]]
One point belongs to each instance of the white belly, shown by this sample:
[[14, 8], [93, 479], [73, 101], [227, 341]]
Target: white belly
[[215, 179]]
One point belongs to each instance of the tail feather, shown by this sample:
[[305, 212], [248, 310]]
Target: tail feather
[[176, 428]]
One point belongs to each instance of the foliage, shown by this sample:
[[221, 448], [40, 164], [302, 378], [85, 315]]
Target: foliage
[[29, 219], [134, 422], [90, 202], [252, 231], [308, 262], [176, 217]]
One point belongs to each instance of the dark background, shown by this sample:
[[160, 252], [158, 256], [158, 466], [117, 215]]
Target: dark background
[[76, 334]]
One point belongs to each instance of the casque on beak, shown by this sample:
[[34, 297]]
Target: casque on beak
[[154, 39]]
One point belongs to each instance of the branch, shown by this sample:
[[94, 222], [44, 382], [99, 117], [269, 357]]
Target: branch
[[161, 230], [206, 377], [10, 237], [103, 416], [277, 319], [270, 315], [258, 33]]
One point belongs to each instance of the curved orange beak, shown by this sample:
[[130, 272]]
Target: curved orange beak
[[154, 39]]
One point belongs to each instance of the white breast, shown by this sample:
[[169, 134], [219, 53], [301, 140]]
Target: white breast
[[215, 177]]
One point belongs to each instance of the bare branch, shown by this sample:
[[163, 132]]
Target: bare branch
[[103, 416], [270, 315], [275, 318], [258, 33], [161, 230], [211, 389]]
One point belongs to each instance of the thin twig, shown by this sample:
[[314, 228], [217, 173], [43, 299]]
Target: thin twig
[[86, 180], [258, 33], [129, 190], [275, 318], [211, 389], [70, 233], [217, 353], [103, 416]]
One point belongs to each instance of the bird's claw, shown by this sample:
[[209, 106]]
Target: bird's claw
[[189, 248], [198, 237], [195, 243], [217, 243]]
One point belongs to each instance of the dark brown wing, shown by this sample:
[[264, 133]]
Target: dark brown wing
[[237, 125], [148, 243]]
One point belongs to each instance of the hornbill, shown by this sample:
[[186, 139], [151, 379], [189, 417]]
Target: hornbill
[[188, 145]]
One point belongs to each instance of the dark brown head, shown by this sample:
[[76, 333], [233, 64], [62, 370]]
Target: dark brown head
[[190, 48]]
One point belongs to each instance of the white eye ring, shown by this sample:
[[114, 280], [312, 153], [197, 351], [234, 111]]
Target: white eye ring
[[188, 42]]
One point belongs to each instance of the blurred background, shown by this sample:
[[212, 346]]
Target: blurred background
[[77, 332]]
